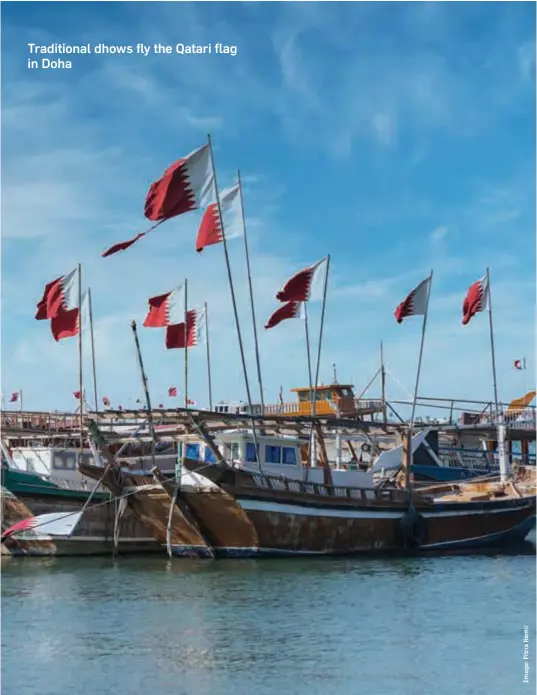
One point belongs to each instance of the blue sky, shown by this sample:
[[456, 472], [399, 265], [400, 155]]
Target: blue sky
[[398, 137]]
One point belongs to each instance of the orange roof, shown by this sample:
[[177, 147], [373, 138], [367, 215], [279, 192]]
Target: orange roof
[[334, 387]]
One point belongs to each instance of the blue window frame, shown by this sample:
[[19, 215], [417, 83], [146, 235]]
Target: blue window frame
[[193, 451], [209, 456], [250, 452], [289, 455], [272, 454]]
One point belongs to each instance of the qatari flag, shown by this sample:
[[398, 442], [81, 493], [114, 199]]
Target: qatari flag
[[476, 300], [187, 184], [59, 295], [415, 303], [299, 287]]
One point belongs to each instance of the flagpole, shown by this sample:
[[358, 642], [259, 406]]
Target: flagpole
[[234, 302], [21, 400], [318, 366], [310, 380], [257, 358], [416, 388], [208, 357], [80, 372], [492, 352], [383, 383], [186, 344], [90, 306], [146, 390]]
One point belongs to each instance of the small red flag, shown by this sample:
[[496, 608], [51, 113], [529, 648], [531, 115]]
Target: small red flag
[[172, 391], [60, 294], [298, 287], [210, 229], [14, 397], [291, 310], [76, 394], [122, 245], [416, 302], [65, 324], [476, 299], [175, 334]]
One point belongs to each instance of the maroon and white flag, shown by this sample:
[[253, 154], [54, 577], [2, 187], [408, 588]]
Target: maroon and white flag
[[59, 295], [210, 229], [166, 309], [305, 285], [187, 184], [416, 302], [519, 364], [178, 337], [291, 310], [476, 300], [14, 397], [172, 392], [66, 323]]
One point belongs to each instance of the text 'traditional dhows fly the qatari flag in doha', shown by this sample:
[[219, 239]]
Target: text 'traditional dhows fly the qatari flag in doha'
[[187, 184], [210, 230]]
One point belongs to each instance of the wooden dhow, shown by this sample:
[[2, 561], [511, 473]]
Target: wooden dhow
[[271, 507]]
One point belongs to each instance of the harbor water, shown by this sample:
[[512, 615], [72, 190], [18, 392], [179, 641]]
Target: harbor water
[[381, 626]]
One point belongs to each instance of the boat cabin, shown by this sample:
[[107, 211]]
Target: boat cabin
[[331, 400], [278, 455], [237, 447]]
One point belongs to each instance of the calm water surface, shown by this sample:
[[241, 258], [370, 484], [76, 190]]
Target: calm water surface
[[443, 625]]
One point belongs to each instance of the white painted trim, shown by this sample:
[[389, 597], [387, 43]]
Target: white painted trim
[[68, 539], [298, 510]]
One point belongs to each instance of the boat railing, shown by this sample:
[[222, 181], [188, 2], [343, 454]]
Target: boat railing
[[81, 485], [480, 460], [345, 405], [56, 422], [365, 494]]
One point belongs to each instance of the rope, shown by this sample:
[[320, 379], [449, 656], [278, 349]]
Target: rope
[[117, 522]]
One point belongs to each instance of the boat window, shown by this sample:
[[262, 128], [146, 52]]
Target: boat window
[[70, 462], [57, 462], [303, 396], [272, 454], [289, 455], [193, 451], [250, 452], [209, 456], [235, 451]]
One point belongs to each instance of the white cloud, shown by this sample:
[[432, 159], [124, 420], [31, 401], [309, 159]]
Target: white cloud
[[439, 233]]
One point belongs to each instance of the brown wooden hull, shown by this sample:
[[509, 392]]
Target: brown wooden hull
[[150, 503], [253, 519], [93, 535]]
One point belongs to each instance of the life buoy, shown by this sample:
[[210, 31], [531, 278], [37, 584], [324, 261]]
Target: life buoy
[[366, 448], [413, 528]]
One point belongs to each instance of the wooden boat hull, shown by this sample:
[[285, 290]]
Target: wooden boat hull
[[93, 535], [150, 503], [249, 519]]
